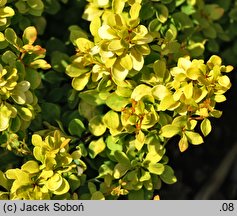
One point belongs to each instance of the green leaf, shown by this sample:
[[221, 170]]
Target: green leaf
[[180, 121], [120, 170], [145, 176], [168, 175], [11, 36], [96, 147], [182, 20], [74, 182], [113, 143], [194, 138], [96, 126], [25, 113], [116, 103], [154, 25], [147, 11], [97, 196], [92, 187], [122, 158], [214, 11], [33, 77], [91, 97], [196, 49], [75, 33], [35, 4], [9, 57], [169, 131], [162, 12], [50, 112], [206, 127], [76, 127], [159, 68], [136, 195], [157, 168], [15, 124], [106, 169]]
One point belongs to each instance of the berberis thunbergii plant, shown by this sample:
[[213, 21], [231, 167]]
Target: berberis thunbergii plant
[[95, 125]]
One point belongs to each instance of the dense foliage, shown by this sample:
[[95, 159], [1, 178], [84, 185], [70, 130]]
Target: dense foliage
[[86, 110]]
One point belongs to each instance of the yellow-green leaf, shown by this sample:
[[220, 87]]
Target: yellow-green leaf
[[30, 167], [126, 62], [169, 131], [188, 90], [96, 126], [134, 11], [79, 83], [206, 126], [96, 147], [97, 196], [29, 35], [120, 170], [168, 175], [183, 143], [141, 91], [64, 188], [122, 158], [157, 168], [194, 137], [84, 45], [111, 119], [117, 6]]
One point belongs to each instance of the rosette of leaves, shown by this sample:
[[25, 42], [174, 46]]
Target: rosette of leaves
[[192, 94], [122, 41], [52, 174], [119, 48]]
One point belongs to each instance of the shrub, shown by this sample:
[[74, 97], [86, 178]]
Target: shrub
[[91, 118]]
